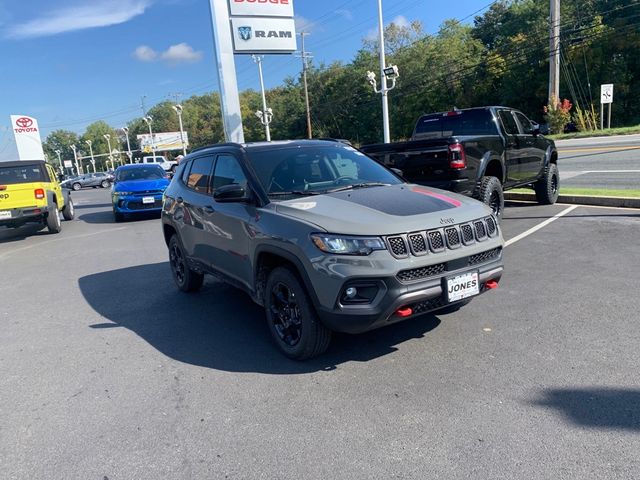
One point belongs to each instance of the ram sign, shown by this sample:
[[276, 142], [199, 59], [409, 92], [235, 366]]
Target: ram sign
[[263, 35], [162, 141]]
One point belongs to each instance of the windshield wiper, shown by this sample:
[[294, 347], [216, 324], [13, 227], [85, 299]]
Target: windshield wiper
[[358, 185], [292, 192]]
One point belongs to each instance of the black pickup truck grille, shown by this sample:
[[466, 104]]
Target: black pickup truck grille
[[441, 239]]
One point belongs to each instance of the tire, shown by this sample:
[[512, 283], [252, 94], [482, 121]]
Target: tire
[[548, 187], [76, 186], [186, 279], [301, 337], [69, 211], [173, 169], [105, 184], [118, 217], [491, 194], [53, 220]]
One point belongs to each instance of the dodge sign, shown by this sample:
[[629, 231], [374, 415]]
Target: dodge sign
[[261, 8]]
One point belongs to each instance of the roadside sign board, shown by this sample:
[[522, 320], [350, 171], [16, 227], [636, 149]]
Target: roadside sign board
[[163, 141], [606, 93], [261, 8], [27, 137], [68, 164], [263, 35]]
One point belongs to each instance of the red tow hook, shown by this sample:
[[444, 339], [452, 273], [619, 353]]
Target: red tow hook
[[491, 284], [404, 312]]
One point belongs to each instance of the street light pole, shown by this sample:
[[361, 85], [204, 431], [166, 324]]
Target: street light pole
[[266, 114], [108, 138], [383, 79], [178, 109], [149, 119], [93, 160], [75, 158], [58, 152], [129, 154]]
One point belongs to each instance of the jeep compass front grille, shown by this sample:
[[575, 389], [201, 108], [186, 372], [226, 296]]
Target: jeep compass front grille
[[484, 256], [441, 239], [422, 272]]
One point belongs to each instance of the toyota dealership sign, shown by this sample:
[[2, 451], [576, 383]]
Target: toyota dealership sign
[[27, 142]]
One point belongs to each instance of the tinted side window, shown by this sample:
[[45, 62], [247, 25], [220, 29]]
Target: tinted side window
[[525, 123], [228, 172], [200, 174], [508, 122]]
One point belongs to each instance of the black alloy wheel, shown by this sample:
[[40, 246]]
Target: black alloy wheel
[[286, 314], [186, 279]]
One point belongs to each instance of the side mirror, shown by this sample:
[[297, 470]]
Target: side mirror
[[536, 131], [397, 171], [231, 193]]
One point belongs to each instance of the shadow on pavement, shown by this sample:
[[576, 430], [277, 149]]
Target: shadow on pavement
[[93, 205], [16, 234], [596, 407], [107, 217], [220, 327]]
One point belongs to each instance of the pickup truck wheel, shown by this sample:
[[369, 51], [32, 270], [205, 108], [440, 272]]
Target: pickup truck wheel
[[76, 186], [491, 194], [547, 188], [186, 279], [68, 212], [292, 319], [53, 220]]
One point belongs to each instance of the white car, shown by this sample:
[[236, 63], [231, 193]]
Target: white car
[[167, 165]]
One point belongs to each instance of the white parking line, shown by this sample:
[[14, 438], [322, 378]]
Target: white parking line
[[539, 226]]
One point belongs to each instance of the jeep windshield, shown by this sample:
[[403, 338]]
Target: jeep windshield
[[315, 169], [22, 174]]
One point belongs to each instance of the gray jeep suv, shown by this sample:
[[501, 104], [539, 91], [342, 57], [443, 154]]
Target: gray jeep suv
[[325, 238]]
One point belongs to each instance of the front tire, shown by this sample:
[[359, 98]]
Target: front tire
[[491, 194], [53, 220], [76, 186], [548, 187], [68, 212], [105, 184], [292, 319], [186, 279]]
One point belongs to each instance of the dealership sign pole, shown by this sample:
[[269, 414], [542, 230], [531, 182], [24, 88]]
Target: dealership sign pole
[[247, 27]]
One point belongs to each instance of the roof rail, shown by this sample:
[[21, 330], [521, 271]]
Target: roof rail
[[224, 144]]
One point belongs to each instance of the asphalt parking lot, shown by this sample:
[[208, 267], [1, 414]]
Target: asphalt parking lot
[[108, 372]]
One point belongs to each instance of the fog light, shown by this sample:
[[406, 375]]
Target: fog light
[[351, 292]]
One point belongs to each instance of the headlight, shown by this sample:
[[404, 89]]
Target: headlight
[[122, 194], [346, 245]]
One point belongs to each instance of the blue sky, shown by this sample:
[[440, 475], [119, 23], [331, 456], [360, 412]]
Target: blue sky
[[71, 62]]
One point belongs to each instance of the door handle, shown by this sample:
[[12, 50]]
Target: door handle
[[209, 209], [179, 200]]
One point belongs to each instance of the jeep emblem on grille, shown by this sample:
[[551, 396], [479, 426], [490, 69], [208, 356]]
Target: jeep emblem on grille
[[446, 221]]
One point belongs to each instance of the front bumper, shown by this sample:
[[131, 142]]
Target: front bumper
[[20, 216], [136, 203], [422, 297]]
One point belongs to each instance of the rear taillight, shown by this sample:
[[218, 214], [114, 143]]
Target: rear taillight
[[39, 193], [457, 158], [3, 187]]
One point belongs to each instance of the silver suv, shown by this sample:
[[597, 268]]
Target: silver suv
[[325, 238]]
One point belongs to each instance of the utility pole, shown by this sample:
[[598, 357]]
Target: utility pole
[[554, 52], [305, 55]]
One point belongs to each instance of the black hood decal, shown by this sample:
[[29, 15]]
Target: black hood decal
[[414, 200]]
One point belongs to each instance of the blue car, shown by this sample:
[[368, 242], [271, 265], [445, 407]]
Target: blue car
[[138, 189]]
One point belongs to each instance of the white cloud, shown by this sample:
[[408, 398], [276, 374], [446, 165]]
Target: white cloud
[[101, 13], [145, 54], [346, 14], [174, 55], [181, 53], [304, 24]]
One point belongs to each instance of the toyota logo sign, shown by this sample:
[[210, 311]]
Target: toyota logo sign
[[24, 122]]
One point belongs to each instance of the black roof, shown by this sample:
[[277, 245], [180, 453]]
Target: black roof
[[21, 163], [274, 144]]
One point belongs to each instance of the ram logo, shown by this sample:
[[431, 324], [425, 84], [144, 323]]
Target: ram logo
[[245, 33]]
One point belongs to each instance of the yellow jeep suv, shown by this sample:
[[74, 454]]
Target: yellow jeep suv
[[31, 193]]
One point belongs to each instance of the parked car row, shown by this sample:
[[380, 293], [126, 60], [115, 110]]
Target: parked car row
[[95, 180]]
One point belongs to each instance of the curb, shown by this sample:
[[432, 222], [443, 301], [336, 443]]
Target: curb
[[624, 202]]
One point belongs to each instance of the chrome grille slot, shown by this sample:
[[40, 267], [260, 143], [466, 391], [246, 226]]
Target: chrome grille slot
[[467, 234], [436, 241], [397, 246], [417, 243]]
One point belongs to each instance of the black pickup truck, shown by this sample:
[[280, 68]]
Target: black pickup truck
[[478, 152]]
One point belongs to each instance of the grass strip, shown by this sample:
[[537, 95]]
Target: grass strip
[[607, 132]]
